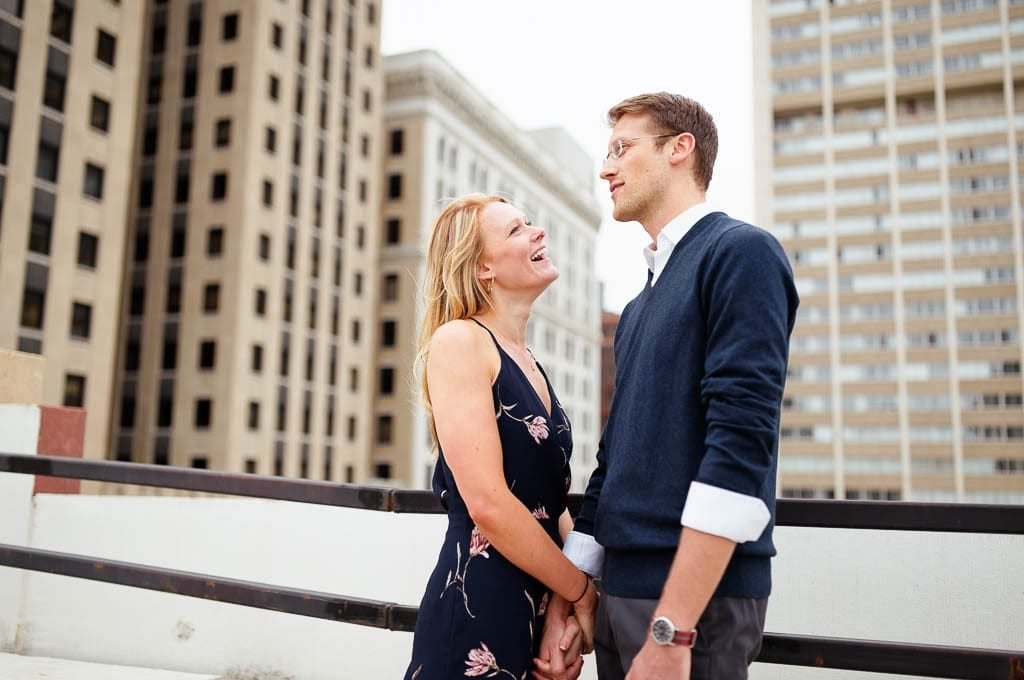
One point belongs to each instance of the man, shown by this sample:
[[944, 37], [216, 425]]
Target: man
[[677, 518]]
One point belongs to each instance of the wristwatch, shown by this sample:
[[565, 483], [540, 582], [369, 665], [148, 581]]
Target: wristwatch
[[664, 633]]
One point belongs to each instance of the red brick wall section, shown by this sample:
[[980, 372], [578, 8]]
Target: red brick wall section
[[61, 433]]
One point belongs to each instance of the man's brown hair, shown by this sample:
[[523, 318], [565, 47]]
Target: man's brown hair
[[674, 113]]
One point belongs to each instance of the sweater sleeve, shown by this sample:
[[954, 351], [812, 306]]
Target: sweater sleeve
[[584, 521], [750, 302]]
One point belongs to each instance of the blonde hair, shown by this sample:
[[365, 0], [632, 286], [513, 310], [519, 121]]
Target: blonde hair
[[451, 288]]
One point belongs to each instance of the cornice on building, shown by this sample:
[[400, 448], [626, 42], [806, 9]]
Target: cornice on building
[[425, 75]]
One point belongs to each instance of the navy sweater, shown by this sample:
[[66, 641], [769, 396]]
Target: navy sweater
[[700, 366]]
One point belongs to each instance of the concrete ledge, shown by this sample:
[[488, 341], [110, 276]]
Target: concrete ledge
[[21, 377], [16, 667]]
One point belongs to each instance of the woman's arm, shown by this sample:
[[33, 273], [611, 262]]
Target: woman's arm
[[461, 366]]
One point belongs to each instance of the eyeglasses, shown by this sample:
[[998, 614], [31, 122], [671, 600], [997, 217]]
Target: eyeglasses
[[620, 146]]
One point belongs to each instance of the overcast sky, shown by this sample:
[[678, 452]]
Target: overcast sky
[[565, 62]]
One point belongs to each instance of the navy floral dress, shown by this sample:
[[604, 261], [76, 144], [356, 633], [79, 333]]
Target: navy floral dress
[[481, 616]]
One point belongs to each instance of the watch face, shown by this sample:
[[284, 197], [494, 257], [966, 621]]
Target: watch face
[[662, 631]]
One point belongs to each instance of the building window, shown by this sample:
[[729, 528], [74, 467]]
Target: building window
[[186, 128], [8, 66], [277, 35], [60, 21], [106, 47], [215, 241], [260, 306], [40, 230], [394, 186], [207, 354], [93, 185], [254, 415], [256, 360], [190, 83], [169, 360], [382, 470], [178, 239], [222, 133], [74, 390], [172, 305], [274, 88], [99, 114], [393, 231], [158, 39], [386, 381], [219, 186], [33, 304], [47, 162], [229, 27], [203, 413], [390, 292], [200, 462], [397, 142], [268, 193], [264, 247], [53, 91], [81, 320], [137, 301], [211, 297], [270, 140], [88, 247], [226, 79], [195, 30], [387, 333], [385, 426]]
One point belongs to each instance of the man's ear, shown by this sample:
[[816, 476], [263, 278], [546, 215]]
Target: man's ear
[[683, 147]]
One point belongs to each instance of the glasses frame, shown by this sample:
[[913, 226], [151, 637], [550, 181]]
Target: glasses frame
[[623, 144]]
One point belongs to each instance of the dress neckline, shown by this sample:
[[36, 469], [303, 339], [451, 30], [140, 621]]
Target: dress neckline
[[548, 410]]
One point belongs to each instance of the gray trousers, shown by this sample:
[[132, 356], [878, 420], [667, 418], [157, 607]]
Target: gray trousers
[[728, 636]]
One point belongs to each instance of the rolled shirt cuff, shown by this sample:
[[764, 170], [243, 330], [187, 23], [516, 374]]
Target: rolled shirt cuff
[[724, 513], [585, 552]]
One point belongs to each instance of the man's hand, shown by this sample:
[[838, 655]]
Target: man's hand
[[665, 662], [559, 655]]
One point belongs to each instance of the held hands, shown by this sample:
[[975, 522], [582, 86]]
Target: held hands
[[568, 634], [560, 657], [585, 609]]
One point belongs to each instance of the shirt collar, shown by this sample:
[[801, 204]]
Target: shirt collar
[[673, 232]]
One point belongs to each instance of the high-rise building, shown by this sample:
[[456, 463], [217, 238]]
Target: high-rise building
[[443, 139], [192, 240], [249, 285], [890, 146], [69, 82]]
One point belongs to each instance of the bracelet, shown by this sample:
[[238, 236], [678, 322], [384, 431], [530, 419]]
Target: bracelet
[[586, 587]]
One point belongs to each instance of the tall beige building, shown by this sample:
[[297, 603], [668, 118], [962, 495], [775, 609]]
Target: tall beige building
[[250, 287], [891, 142], [69, 83], [191, 242], [443, 139]]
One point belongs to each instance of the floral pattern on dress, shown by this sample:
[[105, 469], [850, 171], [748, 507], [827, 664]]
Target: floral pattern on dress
[[478, 545], [536, 425]]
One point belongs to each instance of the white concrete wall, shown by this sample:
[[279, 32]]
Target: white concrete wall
[[19, 433], [925, 588]]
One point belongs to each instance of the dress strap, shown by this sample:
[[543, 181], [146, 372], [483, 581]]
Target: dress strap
[[494, 339]]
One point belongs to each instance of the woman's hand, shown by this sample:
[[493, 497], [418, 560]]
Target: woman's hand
[[561, 661], [586, 613]]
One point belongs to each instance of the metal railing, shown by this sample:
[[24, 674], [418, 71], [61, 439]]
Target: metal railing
[[778, 648]]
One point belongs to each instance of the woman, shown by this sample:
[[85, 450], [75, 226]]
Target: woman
[[504, 444]]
